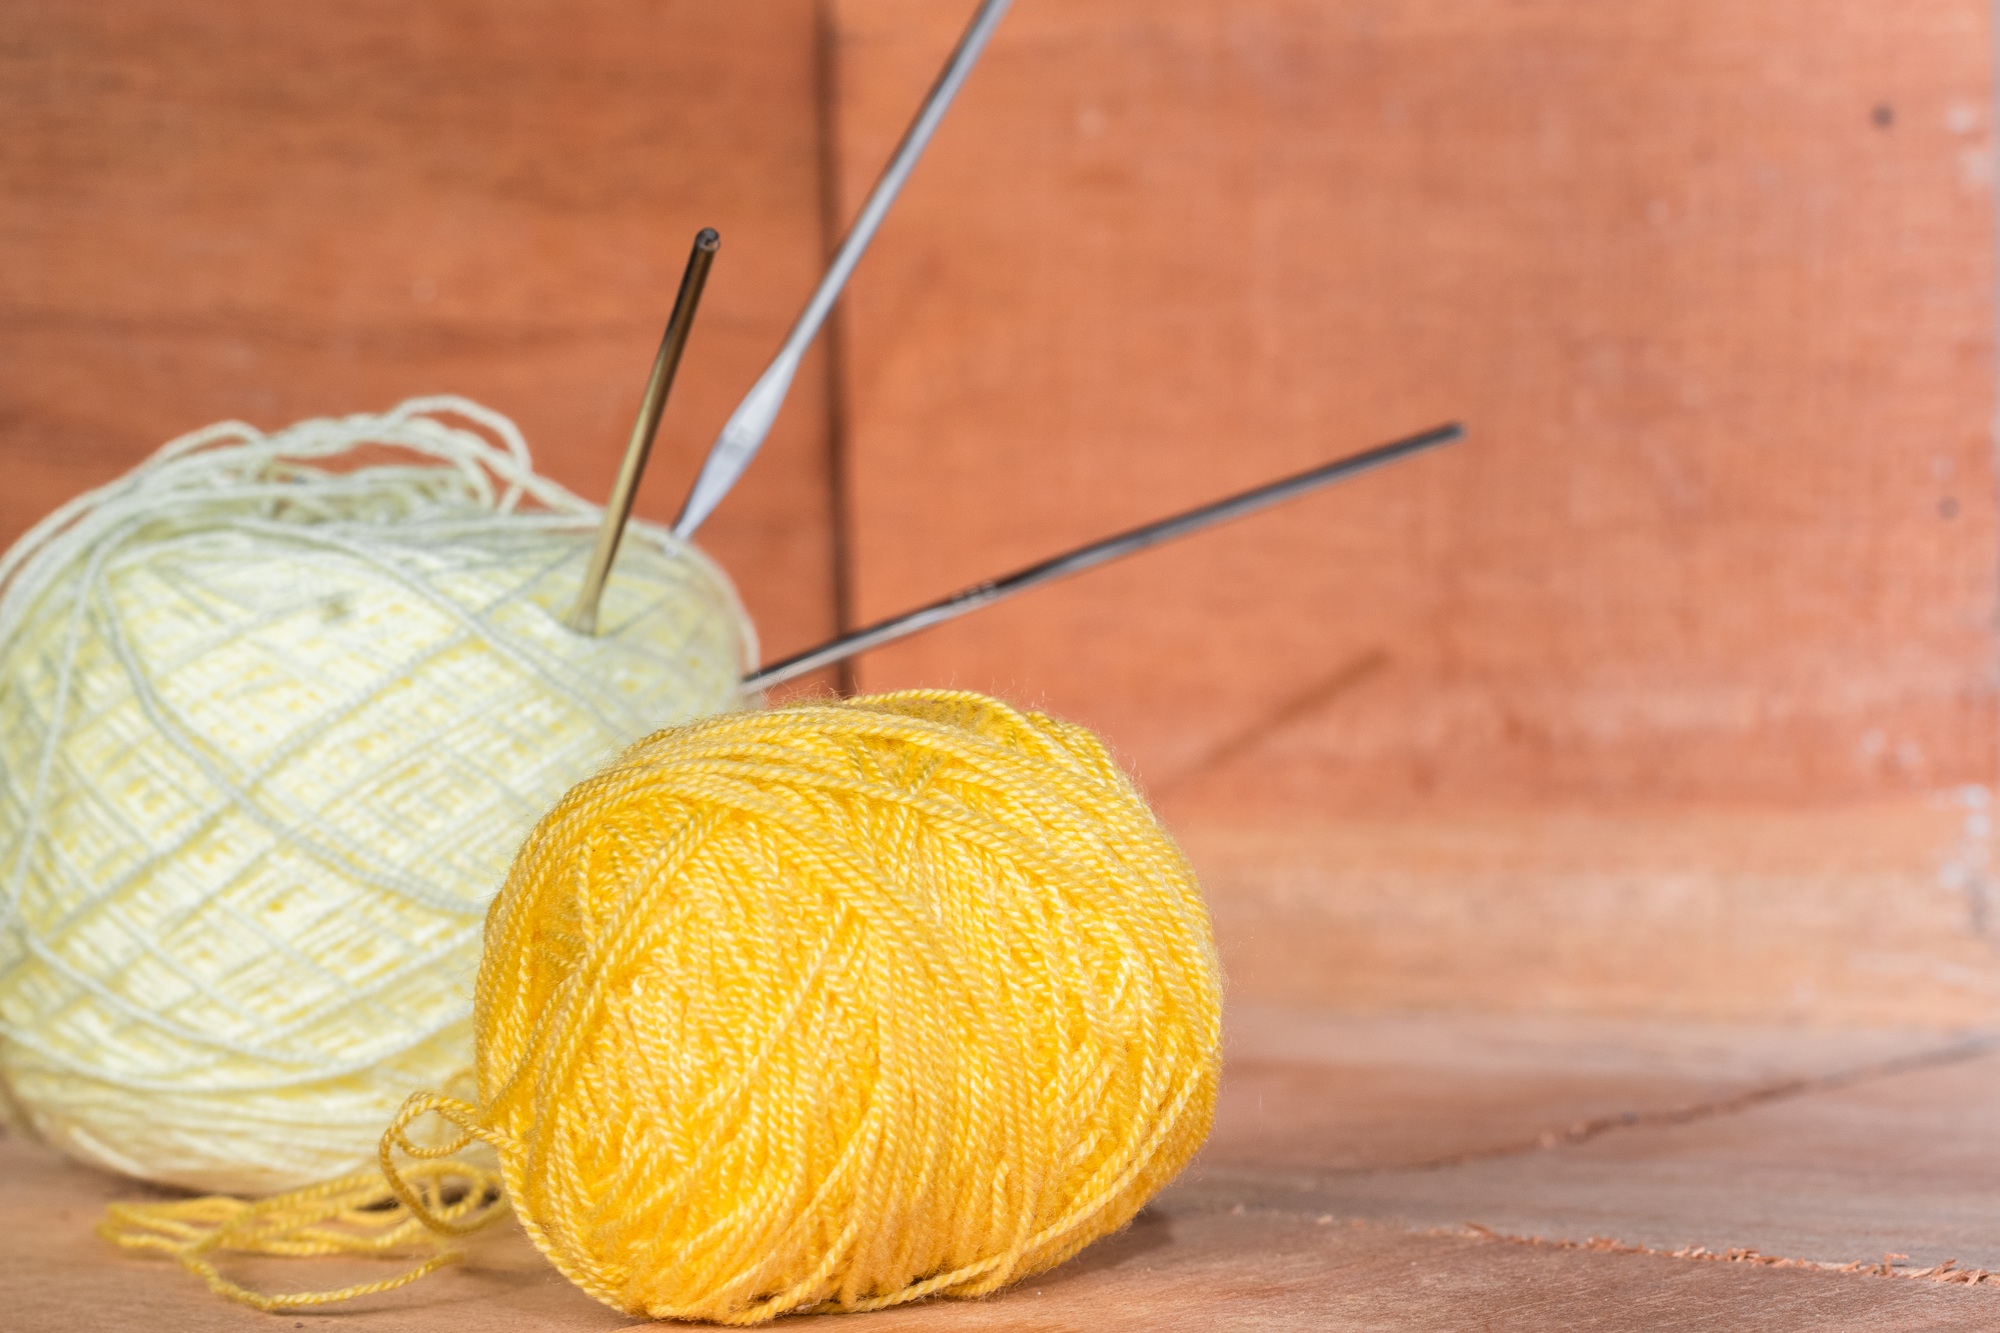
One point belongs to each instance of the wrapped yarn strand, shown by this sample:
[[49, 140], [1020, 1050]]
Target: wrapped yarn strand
[[822, 1008], [275, 712]]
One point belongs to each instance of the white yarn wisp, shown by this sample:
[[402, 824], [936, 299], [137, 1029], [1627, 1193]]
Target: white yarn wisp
[[275, 713]]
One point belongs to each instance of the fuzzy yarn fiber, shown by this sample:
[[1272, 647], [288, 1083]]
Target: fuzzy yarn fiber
[[275, 713], [829, 1007]]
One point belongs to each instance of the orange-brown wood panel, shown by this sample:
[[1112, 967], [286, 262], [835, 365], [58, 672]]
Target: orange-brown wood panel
[[211, 209], [1672, 689], [1710, 284]]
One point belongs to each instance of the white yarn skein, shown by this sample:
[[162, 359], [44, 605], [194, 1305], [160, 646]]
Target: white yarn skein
[[275, 713]]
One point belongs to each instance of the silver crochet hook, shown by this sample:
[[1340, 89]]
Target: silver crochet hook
[[743, 434], [1097, 553], [618, 510]]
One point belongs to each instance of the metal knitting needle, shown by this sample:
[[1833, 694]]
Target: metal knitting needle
[[1097, 553], [743, 434], [618, 510]]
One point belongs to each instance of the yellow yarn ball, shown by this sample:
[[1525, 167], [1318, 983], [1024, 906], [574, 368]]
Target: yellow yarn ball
[[275, 713], [835, 1007]]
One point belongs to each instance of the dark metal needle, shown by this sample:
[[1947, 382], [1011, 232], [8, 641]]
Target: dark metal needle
[[1097, 553]]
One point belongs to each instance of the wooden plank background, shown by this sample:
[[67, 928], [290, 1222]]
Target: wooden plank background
[[1725, 527], [1672, 690]]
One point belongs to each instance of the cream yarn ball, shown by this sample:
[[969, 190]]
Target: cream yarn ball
[[275, 714]]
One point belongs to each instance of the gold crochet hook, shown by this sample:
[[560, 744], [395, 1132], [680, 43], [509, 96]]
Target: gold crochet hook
[[618, 510]]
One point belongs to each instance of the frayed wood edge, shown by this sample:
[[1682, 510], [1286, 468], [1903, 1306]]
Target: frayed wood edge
[[1948, 1271]]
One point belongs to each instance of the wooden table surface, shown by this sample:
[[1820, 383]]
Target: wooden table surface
[[1366, 1173]]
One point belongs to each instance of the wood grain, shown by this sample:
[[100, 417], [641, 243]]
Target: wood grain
[[1864, 914]]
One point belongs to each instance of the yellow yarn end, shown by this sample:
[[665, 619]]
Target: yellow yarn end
[[358, 1214], [827, 1008]]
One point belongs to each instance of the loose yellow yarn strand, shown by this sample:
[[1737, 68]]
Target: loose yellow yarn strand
[[374, 1214]]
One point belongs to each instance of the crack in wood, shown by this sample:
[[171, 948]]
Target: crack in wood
[[1948, 1271], [1583, 1131]]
